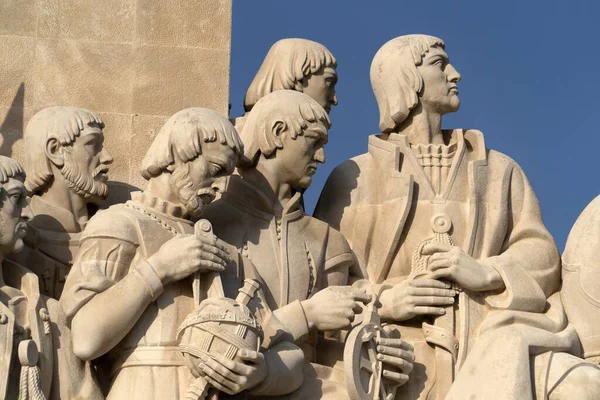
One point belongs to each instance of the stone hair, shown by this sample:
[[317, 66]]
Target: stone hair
[[61, 123], [284, 110], [9, 168], [395, 79], [287, 63], [183, 134]]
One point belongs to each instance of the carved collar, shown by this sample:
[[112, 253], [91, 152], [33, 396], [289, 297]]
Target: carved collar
[[159, 205], [383, 147]]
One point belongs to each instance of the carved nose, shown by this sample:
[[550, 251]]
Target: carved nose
[[26, 214], [320, 155], [453, 74], [105, 157], [219, 184]]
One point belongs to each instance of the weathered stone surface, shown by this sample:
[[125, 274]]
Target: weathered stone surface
[[144, 130], [17, 17], [184, 23], [94, 75], [91, 20], [169, 79], [17, 71]]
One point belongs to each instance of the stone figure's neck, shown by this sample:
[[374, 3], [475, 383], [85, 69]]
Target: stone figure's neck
[[423, 127], [59, 195], [266, 180]]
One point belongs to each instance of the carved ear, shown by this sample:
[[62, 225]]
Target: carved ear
[[274, 136], [54, 152]]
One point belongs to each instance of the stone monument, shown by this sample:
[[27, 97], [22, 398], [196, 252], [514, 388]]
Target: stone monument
[[36, 358], [581, 287], [138, 272], [305, 264], [430, 211], [68, 168]]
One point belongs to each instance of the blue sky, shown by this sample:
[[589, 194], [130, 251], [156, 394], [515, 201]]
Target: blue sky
[[530, 80]]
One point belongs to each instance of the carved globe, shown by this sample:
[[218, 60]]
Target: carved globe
[[219, 326]]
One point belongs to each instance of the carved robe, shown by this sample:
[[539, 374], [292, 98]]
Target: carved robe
[[384, 204], [51, 245], [33, 317], [147, 363], [296, 256]]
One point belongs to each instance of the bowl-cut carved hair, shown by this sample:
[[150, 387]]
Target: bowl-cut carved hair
[[395, 79]]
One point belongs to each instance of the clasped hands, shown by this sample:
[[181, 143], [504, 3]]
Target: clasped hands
[[431, 294]]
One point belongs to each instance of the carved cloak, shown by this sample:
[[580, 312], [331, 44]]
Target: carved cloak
[[377, 200]]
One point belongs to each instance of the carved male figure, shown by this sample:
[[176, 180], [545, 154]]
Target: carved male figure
[[294, 64], [36, 361], [428, 209], [305, 264], [581, 286], [131, 286], [67, 169]]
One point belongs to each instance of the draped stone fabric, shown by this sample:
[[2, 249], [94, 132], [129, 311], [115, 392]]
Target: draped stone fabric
[[382, 202]]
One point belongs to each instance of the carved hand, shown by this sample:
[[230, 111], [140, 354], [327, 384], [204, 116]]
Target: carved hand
[[398, 357], [233, 377], [185, 254], [334, 307], [410, 298], [452, 263]]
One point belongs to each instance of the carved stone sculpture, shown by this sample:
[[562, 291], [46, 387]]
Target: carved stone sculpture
[[581, 283], [294, 64], [431, 213], [304, 263], [137, 276], [36, 360], [67, 169]]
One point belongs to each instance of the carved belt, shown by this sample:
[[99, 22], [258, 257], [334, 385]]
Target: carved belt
[[150, 356]]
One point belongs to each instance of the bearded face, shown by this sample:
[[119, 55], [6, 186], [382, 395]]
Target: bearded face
[[198, 181], [85, 164], [86, 184]]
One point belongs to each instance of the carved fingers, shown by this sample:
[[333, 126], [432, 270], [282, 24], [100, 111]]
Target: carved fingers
[[397, 357], [334, 307], [452, 263], [416, 297], [233, 377]]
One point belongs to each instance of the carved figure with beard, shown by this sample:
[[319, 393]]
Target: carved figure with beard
[[131, 286], [68, 167], [33, 363]]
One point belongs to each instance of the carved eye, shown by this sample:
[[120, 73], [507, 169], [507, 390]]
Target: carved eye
[[214, 168]]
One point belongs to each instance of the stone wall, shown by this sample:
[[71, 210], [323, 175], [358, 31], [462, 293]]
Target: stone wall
[[136, 62]]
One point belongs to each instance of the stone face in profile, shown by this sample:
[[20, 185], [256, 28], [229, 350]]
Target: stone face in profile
[[453, 234], [581, 283], [294, 64], [305, 264], [67, 169], [36, 360], [140, 268]]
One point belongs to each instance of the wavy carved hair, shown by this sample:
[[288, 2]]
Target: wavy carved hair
[[183, 135], [61, 123], [395, 79], [278, 112], [286, 64], [9, 168]]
